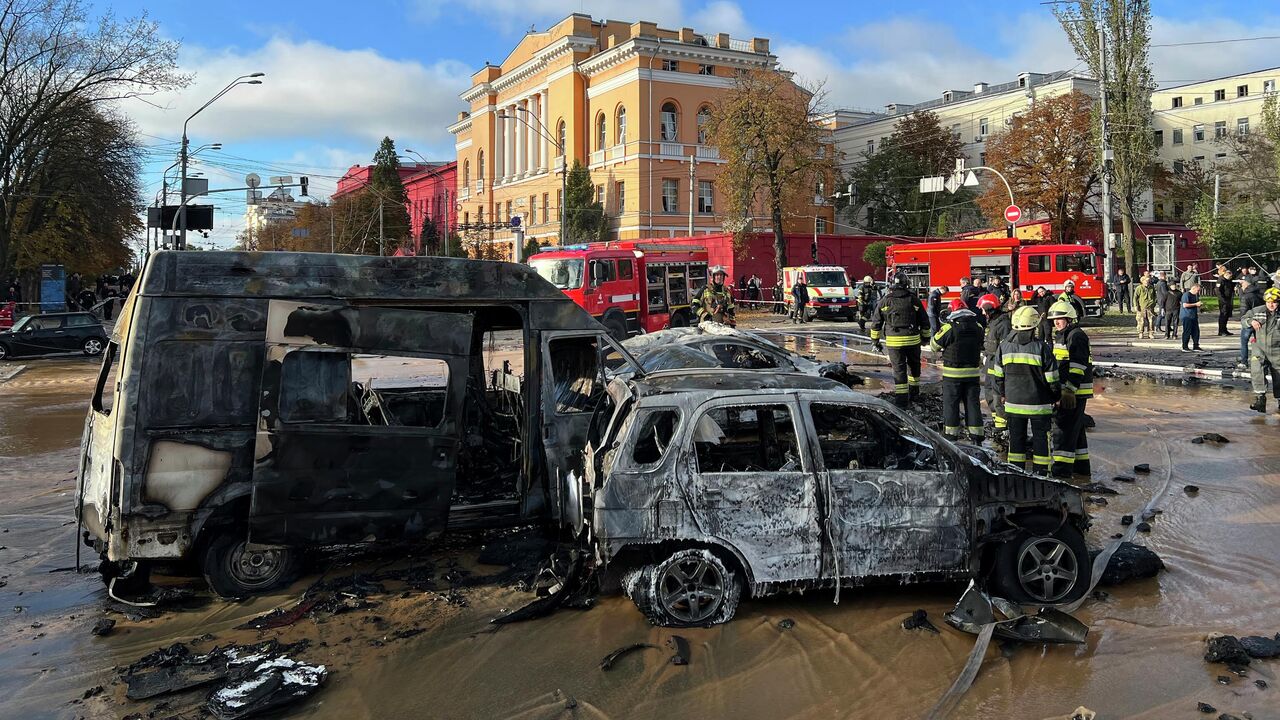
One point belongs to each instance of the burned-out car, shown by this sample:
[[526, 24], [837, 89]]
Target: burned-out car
[[712, 345], [704, 486], [253, 405]]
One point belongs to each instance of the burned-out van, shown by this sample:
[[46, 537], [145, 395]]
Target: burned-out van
[[252, 405]]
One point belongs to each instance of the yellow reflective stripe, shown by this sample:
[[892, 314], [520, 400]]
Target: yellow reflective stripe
[[875, 334], [1064, 458], [1000, 421], [1017, 457], [960, 372], [942, 333], [1084, 392], [1082, 455], [950, 429], [1081, 366], [996, 371], [913, 380], [974, 429], [902, 340], [1020, 357], [1040, 460], [901, 389], [1011, 408], [1051, 376]]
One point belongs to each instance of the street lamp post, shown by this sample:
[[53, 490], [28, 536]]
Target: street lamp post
[[242, 80], [564, 166]]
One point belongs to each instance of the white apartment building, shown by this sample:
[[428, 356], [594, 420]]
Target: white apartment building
[[279, 206]]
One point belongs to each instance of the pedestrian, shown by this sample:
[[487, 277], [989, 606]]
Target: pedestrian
[[979, 289], [1264, 353], [966, 289], [1144, 302], [997, 331], [1189, 315], [1043, 301], [1026, 377], [1226, 292], [73, 290], [1162, 292], [1189, 278], [753, 289], [1075, 366], [716, 301], [800, 298], [934, 309], [1121, 282], [1250, 298], [960, 342], [901, 324], [1172, 312]]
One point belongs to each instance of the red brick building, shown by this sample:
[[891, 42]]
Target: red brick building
[[430, 187]]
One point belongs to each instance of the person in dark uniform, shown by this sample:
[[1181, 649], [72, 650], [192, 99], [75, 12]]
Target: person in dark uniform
[[800, 297], [1121, 281], [1026, 375], [998, 329], [933, 308], [1075, 366], [960, 342], [901, 324], [1226, 292], [1043, 301]]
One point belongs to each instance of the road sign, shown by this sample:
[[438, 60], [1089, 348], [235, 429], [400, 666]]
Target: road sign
[[1013, 213], [281, 179], [252, 180], [515, 221], [931, 184]]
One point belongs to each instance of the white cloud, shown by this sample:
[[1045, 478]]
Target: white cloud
[[722, 16], [517, 15], [1178, 65]]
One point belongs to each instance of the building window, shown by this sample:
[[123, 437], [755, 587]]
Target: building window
[[871, 146], [480, 166], [1178, 167], [982, 128], [1242, 91], [1158, 212], [533, 210], [704, 119], [1219, 129], [1268, 86], [955, 131], [1177, 211], [1219, 156], [1197, 133], [620, 193], [670, 196], [466, 173], [545, 197], [822, 225], [622, 126], [560, 134], [1198, 158], [600, 194], [982, 159], [480, 215], [600, 131], [559, 201], [1177, 136], [670, 119], [670, 66], [1219, 95], [706, 197], [466, 218], [508, 211], [1242, 126], [706, 69], [1159, 138], [1177, 102]]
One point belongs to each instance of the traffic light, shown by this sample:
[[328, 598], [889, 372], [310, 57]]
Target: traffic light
[[303, 181]]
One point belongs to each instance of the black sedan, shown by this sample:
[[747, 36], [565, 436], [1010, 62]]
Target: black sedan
[[53, 333]]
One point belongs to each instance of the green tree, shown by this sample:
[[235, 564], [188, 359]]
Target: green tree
[[385, 184], [1125, 25], [429, 236], [876, 254], [584, 216], [531, 247], [887, 182], [1239, 230]]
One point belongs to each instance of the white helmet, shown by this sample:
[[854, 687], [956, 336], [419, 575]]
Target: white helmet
[[866, 279], [718, 270]]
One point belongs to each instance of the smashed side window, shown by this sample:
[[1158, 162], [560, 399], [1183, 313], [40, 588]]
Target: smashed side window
[[752, 438], [657, 429], [104, 396], [381, 390], [576, 376], [313, 387], [849, 437], [734, 355]]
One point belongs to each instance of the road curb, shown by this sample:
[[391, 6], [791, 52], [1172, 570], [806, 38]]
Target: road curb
[[8, 374]]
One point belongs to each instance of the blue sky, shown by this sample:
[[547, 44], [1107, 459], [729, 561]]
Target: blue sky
[[340, 75]]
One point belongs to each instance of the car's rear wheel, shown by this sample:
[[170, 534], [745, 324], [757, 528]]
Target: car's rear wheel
[[92, 346], [690, 588], [233, 570], [1043, 564], [4, 352]]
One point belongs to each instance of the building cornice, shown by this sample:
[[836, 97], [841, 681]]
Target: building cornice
[[475, 92], [539, 62], [651, 47], [462, 125]]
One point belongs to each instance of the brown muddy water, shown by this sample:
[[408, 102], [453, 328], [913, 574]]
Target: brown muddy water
[[1143, 657]]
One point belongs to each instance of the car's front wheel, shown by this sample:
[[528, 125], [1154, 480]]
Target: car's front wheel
[[690, 588], [4, 352], [233, 570], [92, 346], [1043, 564]]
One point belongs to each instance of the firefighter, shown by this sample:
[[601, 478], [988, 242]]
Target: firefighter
[[1075, 365], [1264, 349], [1069, 294], [866, 301], [960, 342], [716, 302], [1026, 376], [997, 330], [900, 323]]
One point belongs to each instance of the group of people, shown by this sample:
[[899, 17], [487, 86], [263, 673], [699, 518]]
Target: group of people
[[1038, 377], [79, 292]]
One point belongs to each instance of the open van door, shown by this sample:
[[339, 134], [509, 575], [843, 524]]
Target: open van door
[[359, 423]]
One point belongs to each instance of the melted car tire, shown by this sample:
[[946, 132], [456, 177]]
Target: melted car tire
[[221, 552], [642, 586], [1005, 578]]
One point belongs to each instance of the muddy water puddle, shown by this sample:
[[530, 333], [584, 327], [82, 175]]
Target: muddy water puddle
[[1143, 657]]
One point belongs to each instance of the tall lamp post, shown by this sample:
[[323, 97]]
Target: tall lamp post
[[564, 169], [242, 80]]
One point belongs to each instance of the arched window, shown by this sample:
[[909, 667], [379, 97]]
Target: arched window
[[622, 126], [560, 133], [600, 132], [704, 117], [670, 121], [466, 172], [480, 166]]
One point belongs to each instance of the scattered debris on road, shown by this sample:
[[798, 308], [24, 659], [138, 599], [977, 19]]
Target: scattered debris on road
[[1131, 562], [1209, 437], [103, 627], [919, 620], [612, 658], [681, 646], [1226, 649]]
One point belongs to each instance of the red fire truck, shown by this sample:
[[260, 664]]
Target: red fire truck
[[1025, 267], [628, 286]]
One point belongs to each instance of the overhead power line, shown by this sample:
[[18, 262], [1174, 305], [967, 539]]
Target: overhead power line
[[1216, 42]]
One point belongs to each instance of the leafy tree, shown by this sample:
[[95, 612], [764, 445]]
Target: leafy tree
[[1126, 27], [584, 216], [876, 254], [61, 73], [887, 182], [1050, 163], [1182, 190], [429, 237], [531, 247], [386, 186], [1239, 230], [769, 133]]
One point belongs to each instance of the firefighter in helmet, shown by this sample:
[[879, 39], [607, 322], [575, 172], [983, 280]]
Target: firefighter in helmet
[[1264, 348], [1026, 376], [998, 329], [866, 301], [716, 302], [1075, 364], [960, 342], [900, 323]]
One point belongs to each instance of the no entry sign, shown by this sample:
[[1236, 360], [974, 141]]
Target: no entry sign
[[1013, 213]]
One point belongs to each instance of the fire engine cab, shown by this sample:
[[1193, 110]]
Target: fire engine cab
[[1023, 267], [630, 287]]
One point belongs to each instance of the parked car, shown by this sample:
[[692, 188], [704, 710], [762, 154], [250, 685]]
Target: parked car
[[712, 345], [702, 487], [53, 333]]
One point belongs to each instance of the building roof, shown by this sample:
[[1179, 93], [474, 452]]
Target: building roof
[[956, 97], [1224, 77]]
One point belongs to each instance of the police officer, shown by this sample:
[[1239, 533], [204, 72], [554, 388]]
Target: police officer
[[998, 329], [960, 342], [1264, 349], [1026, 376], [1075, 365], [900, 323], [866, 301], [716, 302]]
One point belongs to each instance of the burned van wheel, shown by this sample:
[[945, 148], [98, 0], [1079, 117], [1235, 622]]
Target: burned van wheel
[[617, 326], [233, 570], [690, 588], [1043, 565], [92, 347]]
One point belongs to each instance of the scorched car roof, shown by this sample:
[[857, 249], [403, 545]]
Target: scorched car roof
[[718, 379]]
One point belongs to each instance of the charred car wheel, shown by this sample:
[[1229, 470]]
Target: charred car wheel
[[92, 347], [679, 319], [4, 352], [233, 570], [690, 588], [1043, 564]]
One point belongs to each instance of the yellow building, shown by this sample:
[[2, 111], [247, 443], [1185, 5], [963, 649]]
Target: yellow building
[[627, 100]]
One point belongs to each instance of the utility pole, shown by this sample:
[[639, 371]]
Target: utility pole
[[382, 241], [1108, 257], [331, 246], [1217, 188], [693, 181]]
